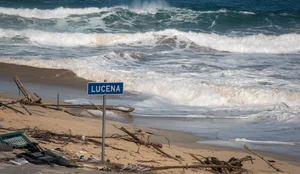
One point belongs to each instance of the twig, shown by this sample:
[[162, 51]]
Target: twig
[[196, 158], [271, 165], [26, 109], [146, 161], [106, 145], [168, 142], [164, 153], [138, 151], [63, 110], [108, 107], [9, 107], [141, 142], [137, 140], [96, 106], [129, 133], [94, 115], [195, 166]]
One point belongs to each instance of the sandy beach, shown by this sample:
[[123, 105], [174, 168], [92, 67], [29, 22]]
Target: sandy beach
[[60, 122]]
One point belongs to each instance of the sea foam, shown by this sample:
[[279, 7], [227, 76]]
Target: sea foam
[[188, 91], [286, 43]]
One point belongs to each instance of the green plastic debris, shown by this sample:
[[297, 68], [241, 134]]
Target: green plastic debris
[[16, 139]]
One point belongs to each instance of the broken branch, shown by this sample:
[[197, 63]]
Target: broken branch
[[9, 107], [271, 165], [196, 158]]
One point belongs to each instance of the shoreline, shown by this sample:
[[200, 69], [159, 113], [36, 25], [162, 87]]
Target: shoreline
[[66, 79]]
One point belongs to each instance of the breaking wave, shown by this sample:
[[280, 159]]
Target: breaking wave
[[286, 43], [188, 91], [151, 7], [61, 12]]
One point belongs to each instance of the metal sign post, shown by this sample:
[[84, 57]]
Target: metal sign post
[[103, 127], [111, 88]]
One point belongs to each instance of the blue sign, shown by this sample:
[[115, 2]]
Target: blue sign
[[105, 88]]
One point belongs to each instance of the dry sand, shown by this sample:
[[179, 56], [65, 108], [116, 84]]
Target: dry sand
[[181, 143]]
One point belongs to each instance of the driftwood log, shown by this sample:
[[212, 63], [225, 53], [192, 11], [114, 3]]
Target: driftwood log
[[29, 98], [95, 107]]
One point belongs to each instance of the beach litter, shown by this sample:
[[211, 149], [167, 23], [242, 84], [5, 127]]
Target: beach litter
[[19, 161], [60, 156], [138, 137], [233, 165], [19, 140], [44, 157], [5, 147], [35, 154]]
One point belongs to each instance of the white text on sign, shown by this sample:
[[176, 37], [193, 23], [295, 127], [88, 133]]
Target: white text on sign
[[106, 88]]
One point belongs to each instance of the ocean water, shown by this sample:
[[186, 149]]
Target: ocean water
[[225, 70]]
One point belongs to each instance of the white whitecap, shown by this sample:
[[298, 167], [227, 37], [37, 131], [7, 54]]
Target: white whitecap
[[59, 12], [264, 142], [188, 91], [148, 6]]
